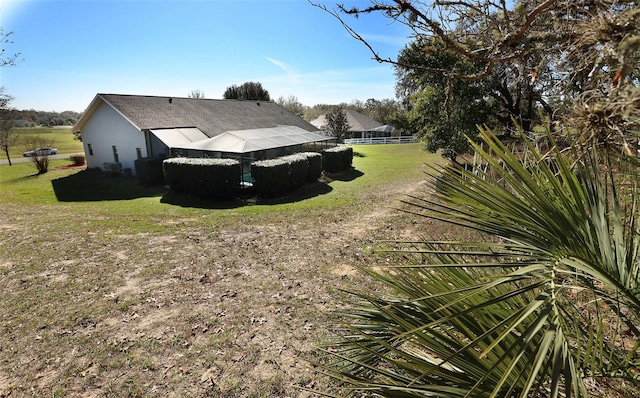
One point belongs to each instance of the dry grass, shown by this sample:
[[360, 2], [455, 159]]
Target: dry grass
[[104, 300]]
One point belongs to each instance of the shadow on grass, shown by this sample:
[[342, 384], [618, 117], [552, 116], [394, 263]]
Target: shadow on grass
[[26, 177], [183, 200], [245, 198], [93, 185], [248, 198], [347, 175], [306, 192]]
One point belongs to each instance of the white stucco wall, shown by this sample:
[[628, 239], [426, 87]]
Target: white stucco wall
[[107, 128]]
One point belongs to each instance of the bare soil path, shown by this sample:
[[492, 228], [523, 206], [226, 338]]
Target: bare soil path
[[190, 310]]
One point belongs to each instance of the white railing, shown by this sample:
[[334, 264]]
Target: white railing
[[380, 140]]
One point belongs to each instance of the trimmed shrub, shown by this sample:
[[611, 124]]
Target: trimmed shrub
[[271, 177], [314, 160], [149, 171], [214, 179], [77, 159], [298, 170], [337, 159], [275, 177]]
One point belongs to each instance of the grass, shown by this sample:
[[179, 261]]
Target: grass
[[71, 185], [114, 289], [60, 137]]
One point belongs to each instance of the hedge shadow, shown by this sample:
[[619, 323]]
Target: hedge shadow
[[346, 176], [95, 185]]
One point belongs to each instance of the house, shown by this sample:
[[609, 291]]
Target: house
[[118, 129], [362, 126]]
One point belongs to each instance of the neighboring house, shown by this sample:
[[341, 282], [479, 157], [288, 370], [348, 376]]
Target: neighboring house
[[362, 126], [118, 129]]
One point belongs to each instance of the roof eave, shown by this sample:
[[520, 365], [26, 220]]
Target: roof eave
[[77, 128]]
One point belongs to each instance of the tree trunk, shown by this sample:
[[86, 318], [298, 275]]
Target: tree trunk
[[6, 151]]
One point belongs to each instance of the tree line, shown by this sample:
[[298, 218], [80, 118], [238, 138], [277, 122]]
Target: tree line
[[33, 118], [384, 111]]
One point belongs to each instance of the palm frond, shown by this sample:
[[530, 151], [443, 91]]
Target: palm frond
[[533, 307]]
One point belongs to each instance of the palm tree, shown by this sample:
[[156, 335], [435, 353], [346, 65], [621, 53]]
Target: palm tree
[[544, 303]]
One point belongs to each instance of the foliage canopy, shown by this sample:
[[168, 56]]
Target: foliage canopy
[[247, 91], [574, 61], [336, 123]]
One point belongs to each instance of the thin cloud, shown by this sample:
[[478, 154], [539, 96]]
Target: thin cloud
[[292, 78], [280, 65]]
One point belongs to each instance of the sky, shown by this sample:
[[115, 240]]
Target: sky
[[72, 50]]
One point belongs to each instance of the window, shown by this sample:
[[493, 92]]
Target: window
[[116, 159], [139, 153], [90, 148]]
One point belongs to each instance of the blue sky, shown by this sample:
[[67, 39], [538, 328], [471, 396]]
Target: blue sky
[[71, 50]]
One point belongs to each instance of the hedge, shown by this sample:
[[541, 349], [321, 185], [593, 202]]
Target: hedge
[[149, 171], [298, 170], [314, 160], [337, 159], [214, 179], [271, 177]]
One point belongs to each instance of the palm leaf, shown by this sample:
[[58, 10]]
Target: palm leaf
[[498, 317]]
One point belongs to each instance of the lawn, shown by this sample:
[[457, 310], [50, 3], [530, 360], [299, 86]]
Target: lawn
[[58, 137], [114, 289]]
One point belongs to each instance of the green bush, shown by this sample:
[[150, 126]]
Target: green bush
[[271, 177], [314, 160], [337, 159], [77, 159], [214, 179], [275, 177], [149, 171], [298, 170]]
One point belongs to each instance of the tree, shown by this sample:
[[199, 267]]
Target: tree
[[336, 123], [39, 160], [8, 137], [575, 55], [247, 91], [4, 40], [198, 94], [441, 110], [381, 110], [503, 99], [292, 104]]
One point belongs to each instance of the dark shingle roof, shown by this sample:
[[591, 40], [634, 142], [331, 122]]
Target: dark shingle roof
[[357, 121], [212, 116]]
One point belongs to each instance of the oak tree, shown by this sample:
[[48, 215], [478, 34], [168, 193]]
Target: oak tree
[[336, 123], [247, 91]]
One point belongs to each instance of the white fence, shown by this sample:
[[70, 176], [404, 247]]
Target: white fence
[[380, 140]]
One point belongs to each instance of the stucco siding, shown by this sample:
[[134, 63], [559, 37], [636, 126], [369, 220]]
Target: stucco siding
[[106, 129]]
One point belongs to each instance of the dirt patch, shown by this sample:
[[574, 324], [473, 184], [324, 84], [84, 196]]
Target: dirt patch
[[190, 309]]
